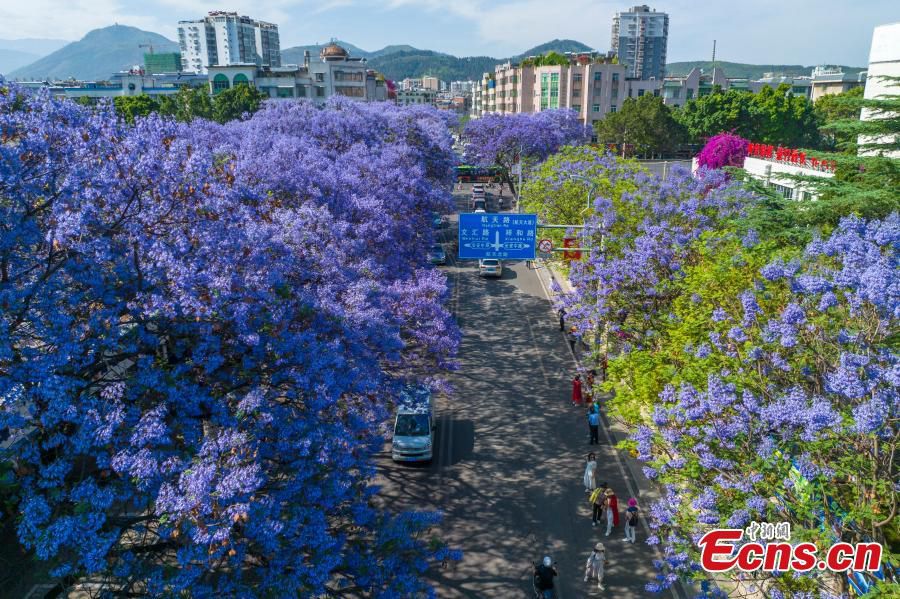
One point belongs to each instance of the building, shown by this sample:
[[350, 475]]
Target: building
[[432, 83], [410, 84], [832, 80], [678, 89], [639, 38], [127, 83], [225, 38], [777, 167], [167, 62], [591, 84], [459, 88], [416, 96], [334, 72], [884, 61]]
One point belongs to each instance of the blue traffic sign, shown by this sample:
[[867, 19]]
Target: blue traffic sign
[[505, 236]]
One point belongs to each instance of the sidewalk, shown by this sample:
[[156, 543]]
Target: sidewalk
[[638, 485]]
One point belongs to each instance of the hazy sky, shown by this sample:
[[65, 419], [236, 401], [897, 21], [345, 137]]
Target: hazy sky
[[753, 31]]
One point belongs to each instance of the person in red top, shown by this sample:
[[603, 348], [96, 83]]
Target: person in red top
[[576, 390], [612, 511]]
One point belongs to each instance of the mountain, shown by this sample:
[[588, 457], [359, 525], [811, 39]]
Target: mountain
[[739, 70], [11, 60], [97, 55], [554, 46]]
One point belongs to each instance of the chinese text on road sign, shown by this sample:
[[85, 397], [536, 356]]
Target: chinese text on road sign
[[504, 236]]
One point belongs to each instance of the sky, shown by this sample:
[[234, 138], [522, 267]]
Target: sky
[[751, 31]]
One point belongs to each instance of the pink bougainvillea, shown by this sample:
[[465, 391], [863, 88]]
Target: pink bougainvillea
[[724, 149]]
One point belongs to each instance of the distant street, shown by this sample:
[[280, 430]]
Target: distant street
[[510, 449]]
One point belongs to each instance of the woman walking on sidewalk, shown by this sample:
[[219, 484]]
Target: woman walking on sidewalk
[[596, 565], [631, 519], [590, 469], [576, 389], [612, 511]]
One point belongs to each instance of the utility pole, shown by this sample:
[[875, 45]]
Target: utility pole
[[714, 54]]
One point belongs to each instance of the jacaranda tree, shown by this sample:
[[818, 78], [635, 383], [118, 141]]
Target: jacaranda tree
[[201, 330], [759, 379], [503, 139]]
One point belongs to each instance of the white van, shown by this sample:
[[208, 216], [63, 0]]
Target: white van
[[413, 439]]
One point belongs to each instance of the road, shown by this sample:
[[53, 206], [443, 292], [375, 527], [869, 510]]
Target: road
[[510, 450]]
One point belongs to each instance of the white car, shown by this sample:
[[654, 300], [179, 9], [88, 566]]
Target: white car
[[413, 439], [490, 267]]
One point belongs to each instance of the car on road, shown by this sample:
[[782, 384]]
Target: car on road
[[437, 255], [490, 267], [413, 438], [479, 204]]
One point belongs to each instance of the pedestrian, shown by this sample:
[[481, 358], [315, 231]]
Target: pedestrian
[[631, 519], [590, 384], [562, 320], [572, 337], [590, 473], [594, 425], [576, 390], [596, 565], [612, 511], [597, 499]]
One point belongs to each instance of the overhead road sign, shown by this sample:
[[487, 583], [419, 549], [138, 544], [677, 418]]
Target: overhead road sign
[[503, 236]]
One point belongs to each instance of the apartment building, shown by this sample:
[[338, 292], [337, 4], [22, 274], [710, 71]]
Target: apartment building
[[226, 38], [640, 38], [591, 84]]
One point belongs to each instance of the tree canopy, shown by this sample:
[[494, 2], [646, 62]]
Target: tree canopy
[[645, 123]]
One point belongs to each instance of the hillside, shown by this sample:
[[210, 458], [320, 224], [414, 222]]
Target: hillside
[[10, 60], [97, 55], [751, 71]]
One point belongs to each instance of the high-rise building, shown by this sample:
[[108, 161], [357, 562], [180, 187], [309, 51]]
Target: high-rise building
[[432, 83], [639, 38], [226, 38]]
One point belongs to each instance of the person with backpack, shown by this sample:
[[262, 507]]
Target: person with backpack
[[631, 519], [597, 500], [594, 425], [596, 565]]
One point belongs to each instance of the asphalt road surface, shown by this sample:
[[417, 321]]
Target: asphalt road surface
[[510, 449]]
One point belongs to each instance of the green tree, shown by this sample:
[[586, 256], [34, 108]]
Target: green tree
[[187, 104], [230, 104], [835, 108], [644, 122], [772, 116], [720, 111], [130, 107]]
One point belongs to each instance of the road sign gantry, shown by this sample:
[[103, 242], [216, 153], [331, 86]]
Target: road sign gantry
[[505, 236]]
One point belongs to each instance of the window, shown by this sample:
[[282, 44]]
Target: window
[[352, 92], [320, 77], [576, 78], [612, 108], [576, 107], [676, 93], [320, 91], [301, 91], [640, 92], [220, 82], [598, 76], [615, 77], [285, 92], [784, 191], [656, 93], [595, 108]]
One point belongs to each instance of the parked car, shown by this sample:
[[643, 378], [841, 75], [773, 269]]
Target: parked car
[[490, 267], [479, 205], [413, 438], [437, 255]]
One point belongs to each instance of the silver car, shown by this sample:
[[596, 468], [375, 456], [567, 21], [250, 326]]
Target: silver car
[[490, 267]]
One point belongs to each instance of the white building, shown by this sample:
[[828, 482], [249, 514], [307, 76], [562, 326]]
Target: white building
[[458, 88], [884, 61], [225, 38], [416, 96], [333, 73], [639, 38]]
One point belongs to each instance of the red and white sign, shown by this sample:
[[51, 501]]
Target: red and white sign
[[545, 246], [571, 242]]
